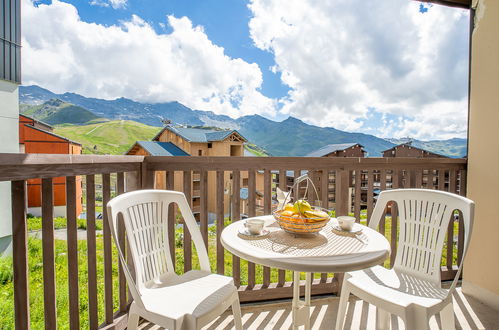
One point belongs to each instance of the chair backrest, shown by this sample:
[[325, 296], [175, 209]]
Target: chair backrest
[[424, 217], [145, 216]]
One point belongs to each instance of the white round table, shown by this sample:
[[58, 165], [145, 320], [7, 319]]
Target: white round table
[[326, 252]]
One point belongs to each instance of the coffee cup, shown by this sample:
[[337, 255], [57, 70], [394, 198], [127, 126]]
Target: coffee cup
[[346, 222], [254, 226]]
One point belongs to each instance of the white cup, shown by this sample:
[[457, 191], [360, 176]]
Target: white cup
[[254, 226], [346, 222]]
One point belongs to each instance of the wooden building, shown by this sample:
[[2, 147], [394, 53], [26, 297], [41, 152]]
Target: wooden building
[[409, 151], [36, 137], [339, 150], [188, 141]]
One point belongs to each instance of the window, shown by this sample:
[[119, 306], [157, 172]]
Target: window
[[200, 152], [10, 40], [235, 150], [209, 145]]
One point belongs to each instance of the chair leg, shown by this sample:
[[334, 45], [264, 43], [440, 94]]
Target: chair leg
[[236, 313], [342, 308], [447, 317], [133, 318], [382, 319], [416, 321]]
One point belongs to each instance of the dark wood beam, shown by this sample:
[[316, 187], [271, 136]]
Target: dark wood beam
[[465, 4]]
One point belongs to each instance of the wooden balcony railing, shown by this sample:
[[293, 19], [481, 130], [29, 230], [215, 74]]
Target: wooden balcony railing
[[220, 180]]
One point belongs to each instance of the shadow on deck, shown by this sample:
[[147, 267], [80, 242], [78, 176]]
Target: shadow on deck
[[469, 313]]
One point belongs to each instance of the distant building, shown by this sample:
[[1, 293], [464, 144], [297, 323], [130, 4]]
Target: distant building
[[182, 141], [36, 137], [339, 150], [407, 150]]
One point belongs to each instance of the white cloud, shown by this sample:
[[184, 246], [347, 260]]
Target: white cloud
[[116, 4], [341, 57], [63, 53]]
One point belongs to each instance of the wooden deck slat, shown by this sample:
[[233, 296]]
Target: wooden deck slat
[[235, 216], [220, 222], [108, 252], [325, 202], [204, 206], [122, 290], [418, 178], [283, 182], [357, 196], [48, 254], [441, 179], [394, 213], [341, 193], [429, 180], [172, 208], [72, 241], [267, 207], [370, 194], [93, 317], [20, 255], [382, 187], [187, 236], [251, 213]]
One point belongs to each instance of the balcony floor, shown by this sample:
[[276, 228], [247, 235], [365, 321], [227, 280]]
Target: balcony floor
[[469, 314]]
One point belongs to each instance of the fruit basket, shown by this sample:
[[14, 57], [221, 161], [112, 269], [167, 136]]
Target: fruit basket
[[301, 218]]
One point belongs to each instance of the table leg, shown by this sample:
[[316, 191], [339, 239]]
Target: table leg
[[301, 308]]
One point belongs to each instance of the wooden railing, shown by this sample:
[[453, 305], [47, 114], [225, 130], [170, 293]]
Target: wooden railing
[[220, 181]]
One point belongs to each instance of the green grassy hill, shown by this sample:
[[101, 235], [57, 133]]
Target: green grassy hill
[[56, 112], [112, 137]]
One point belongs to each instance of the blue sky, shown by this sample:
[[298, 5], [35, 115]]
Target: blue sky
[[385, 68], [224, 21]]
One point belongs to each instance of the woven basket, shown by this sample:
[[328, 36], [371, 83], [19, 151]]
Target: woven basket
[[301, 225]]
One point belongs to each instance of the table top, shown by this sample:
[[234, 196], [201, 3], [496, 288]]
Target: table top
[[325, 252]]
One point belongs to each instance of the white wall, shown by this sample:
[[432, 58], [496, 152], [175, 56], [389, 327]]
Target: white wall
[[481, 268], [9, 142]]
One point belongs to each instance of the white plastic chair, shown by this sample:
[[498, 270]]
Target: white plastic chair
[[412, 288], [188, 301]]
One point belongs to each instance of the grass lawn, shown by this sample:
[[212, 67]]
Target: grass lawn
[[35, 265]]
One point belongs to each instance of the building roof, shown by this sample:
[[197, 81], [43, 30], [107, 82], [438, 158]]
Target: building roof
[[37, 121], [409, 144], [53, 134], [465, 4], [155, 148], [330, 148], [199, 134]]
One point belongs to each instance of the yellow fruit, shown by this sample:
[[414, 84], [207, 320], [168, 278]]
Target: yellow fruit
[[301, 206], [316, 215], [289, 207], [287, 213]]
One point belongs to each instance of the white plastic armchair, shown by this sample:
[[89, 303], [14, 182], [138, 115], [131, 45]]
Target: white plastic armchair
[[187, 301], [412, 288]]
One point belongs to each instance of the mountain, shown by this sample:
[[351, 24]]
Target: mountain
[[55, 111], [455, 148], [291, 137], [126, 109], [111, 137]]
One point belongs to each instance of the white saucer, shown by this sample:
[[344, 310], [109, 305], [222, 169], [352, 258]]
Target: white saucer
[[244, 231], [355, 230]]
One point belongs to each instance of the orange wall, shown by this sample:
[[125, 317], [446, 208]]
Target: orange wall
[[38, 142]]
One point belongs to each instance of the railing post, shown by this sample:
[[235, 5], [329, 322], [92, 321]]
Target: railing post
[[132, 181], [341, 192], [20, 256], [147, 176]]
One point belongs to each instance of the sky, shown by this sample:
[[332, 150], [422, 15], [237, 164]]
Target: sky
[[392, 68]]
